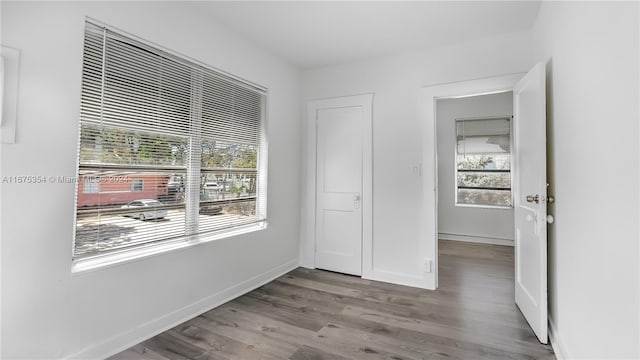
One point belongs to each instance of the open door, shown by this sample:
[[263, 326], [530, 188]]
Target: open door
[[530, 203]]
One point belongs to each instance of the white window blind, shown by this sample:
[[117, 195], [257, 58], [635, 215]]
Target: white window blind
[[483, 156], [154, 129]]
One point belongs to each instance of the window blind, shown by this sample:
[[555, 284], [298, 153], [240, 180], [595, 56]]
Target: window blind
[[155, 130], [483, 136]]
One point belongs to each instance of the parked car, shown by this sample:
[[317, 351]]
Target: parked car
[[147, 210], [212, 186], [208, 209]]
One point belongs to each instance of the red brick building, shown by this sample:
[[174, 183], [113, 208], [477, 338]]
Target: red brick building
[[120, 189]]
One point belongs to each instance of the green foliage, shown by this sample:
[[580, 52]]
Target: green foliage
[[498, 180], [246, 159], [128, 147], [474, 161], [484, 197], [217, 154], [484, 180], [238, 190]]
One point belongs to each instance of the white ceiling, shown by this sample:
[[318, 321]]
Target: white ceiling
[[312, 34]]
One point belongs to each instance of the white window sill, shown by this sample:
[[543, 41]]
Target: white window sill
[[492, 207], [122, 257]]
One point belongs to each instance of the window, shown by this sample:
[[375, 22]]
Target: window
[[483, 156], [154, 129], [90, 185], [137, 185]]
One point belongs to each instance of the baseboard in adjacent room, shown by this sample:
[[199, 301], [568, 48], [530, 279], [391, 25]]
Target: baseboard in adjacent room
[[475, 239]]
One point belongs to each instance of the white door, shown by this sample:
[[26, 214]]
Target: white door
[[530, 205], [339, 189]]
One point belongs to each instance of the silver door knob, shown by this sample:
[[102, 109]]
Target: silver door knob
[[356, 197], [533, 198]]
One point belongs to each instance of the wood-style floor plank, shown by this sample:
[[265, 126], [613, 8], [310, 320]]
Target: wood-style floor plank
[[314, 314]]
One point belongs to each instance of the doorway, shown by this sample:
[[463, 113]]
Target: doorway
[[474, 168], [529, 183]]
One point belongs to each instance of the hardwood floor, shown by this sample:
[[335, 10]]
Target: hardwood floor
[[314, 314]]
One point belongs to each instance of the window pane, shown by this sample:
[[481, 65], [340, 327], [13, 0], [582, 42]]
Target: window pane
[[228, 185], [484, 179], [118, 217], [484, 197], [483, 136], [484, 162], [130, 189]]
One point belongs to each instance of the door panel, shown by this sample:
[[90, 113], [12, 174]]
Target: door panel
[[530, 203], [339, 189]]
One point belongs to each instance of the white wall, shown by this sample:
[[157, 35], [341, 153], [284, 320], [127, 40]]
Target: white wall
[[460, 222], [398, 249], [591, 54], [46, 311]]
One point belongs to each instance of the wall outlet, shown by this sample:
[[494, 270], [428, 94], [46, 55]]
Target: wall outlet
[[427, 265]]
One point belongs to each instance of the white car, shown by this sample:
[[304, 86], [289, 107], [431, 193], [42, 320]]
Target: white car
[[147, 210], [212, 186]]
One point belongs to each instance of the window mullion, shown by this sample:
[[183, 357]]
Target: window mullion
[[194, 158]]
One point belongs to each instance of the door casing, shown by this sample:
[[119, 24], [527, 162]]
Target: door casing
[[428, 97]]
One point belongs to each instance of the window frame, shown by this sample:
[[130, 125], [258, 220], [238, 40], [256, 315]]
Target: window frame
[[456, 203], [103, 259]]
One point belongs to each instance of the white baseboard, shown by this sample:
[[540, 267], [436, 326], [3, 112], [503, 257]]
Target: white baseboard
[[476, 239], [422, 282], [145, 331], [558, 348]]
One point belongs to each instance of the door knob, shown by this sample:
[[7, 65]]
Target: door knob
[[356, 197], [536, 199], [532, 198]]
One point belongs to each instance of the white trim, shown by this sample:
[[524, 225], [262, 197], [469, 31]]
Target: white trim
[[396, 278], [476, 239], [308, 207], [9, 94], [638, 104], [124, 340], [558, 346], [426, 103], [153, 249]]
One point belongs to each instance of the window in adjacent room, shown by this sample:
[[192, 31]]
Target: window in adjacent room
[[155, 127], [483, 156]]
